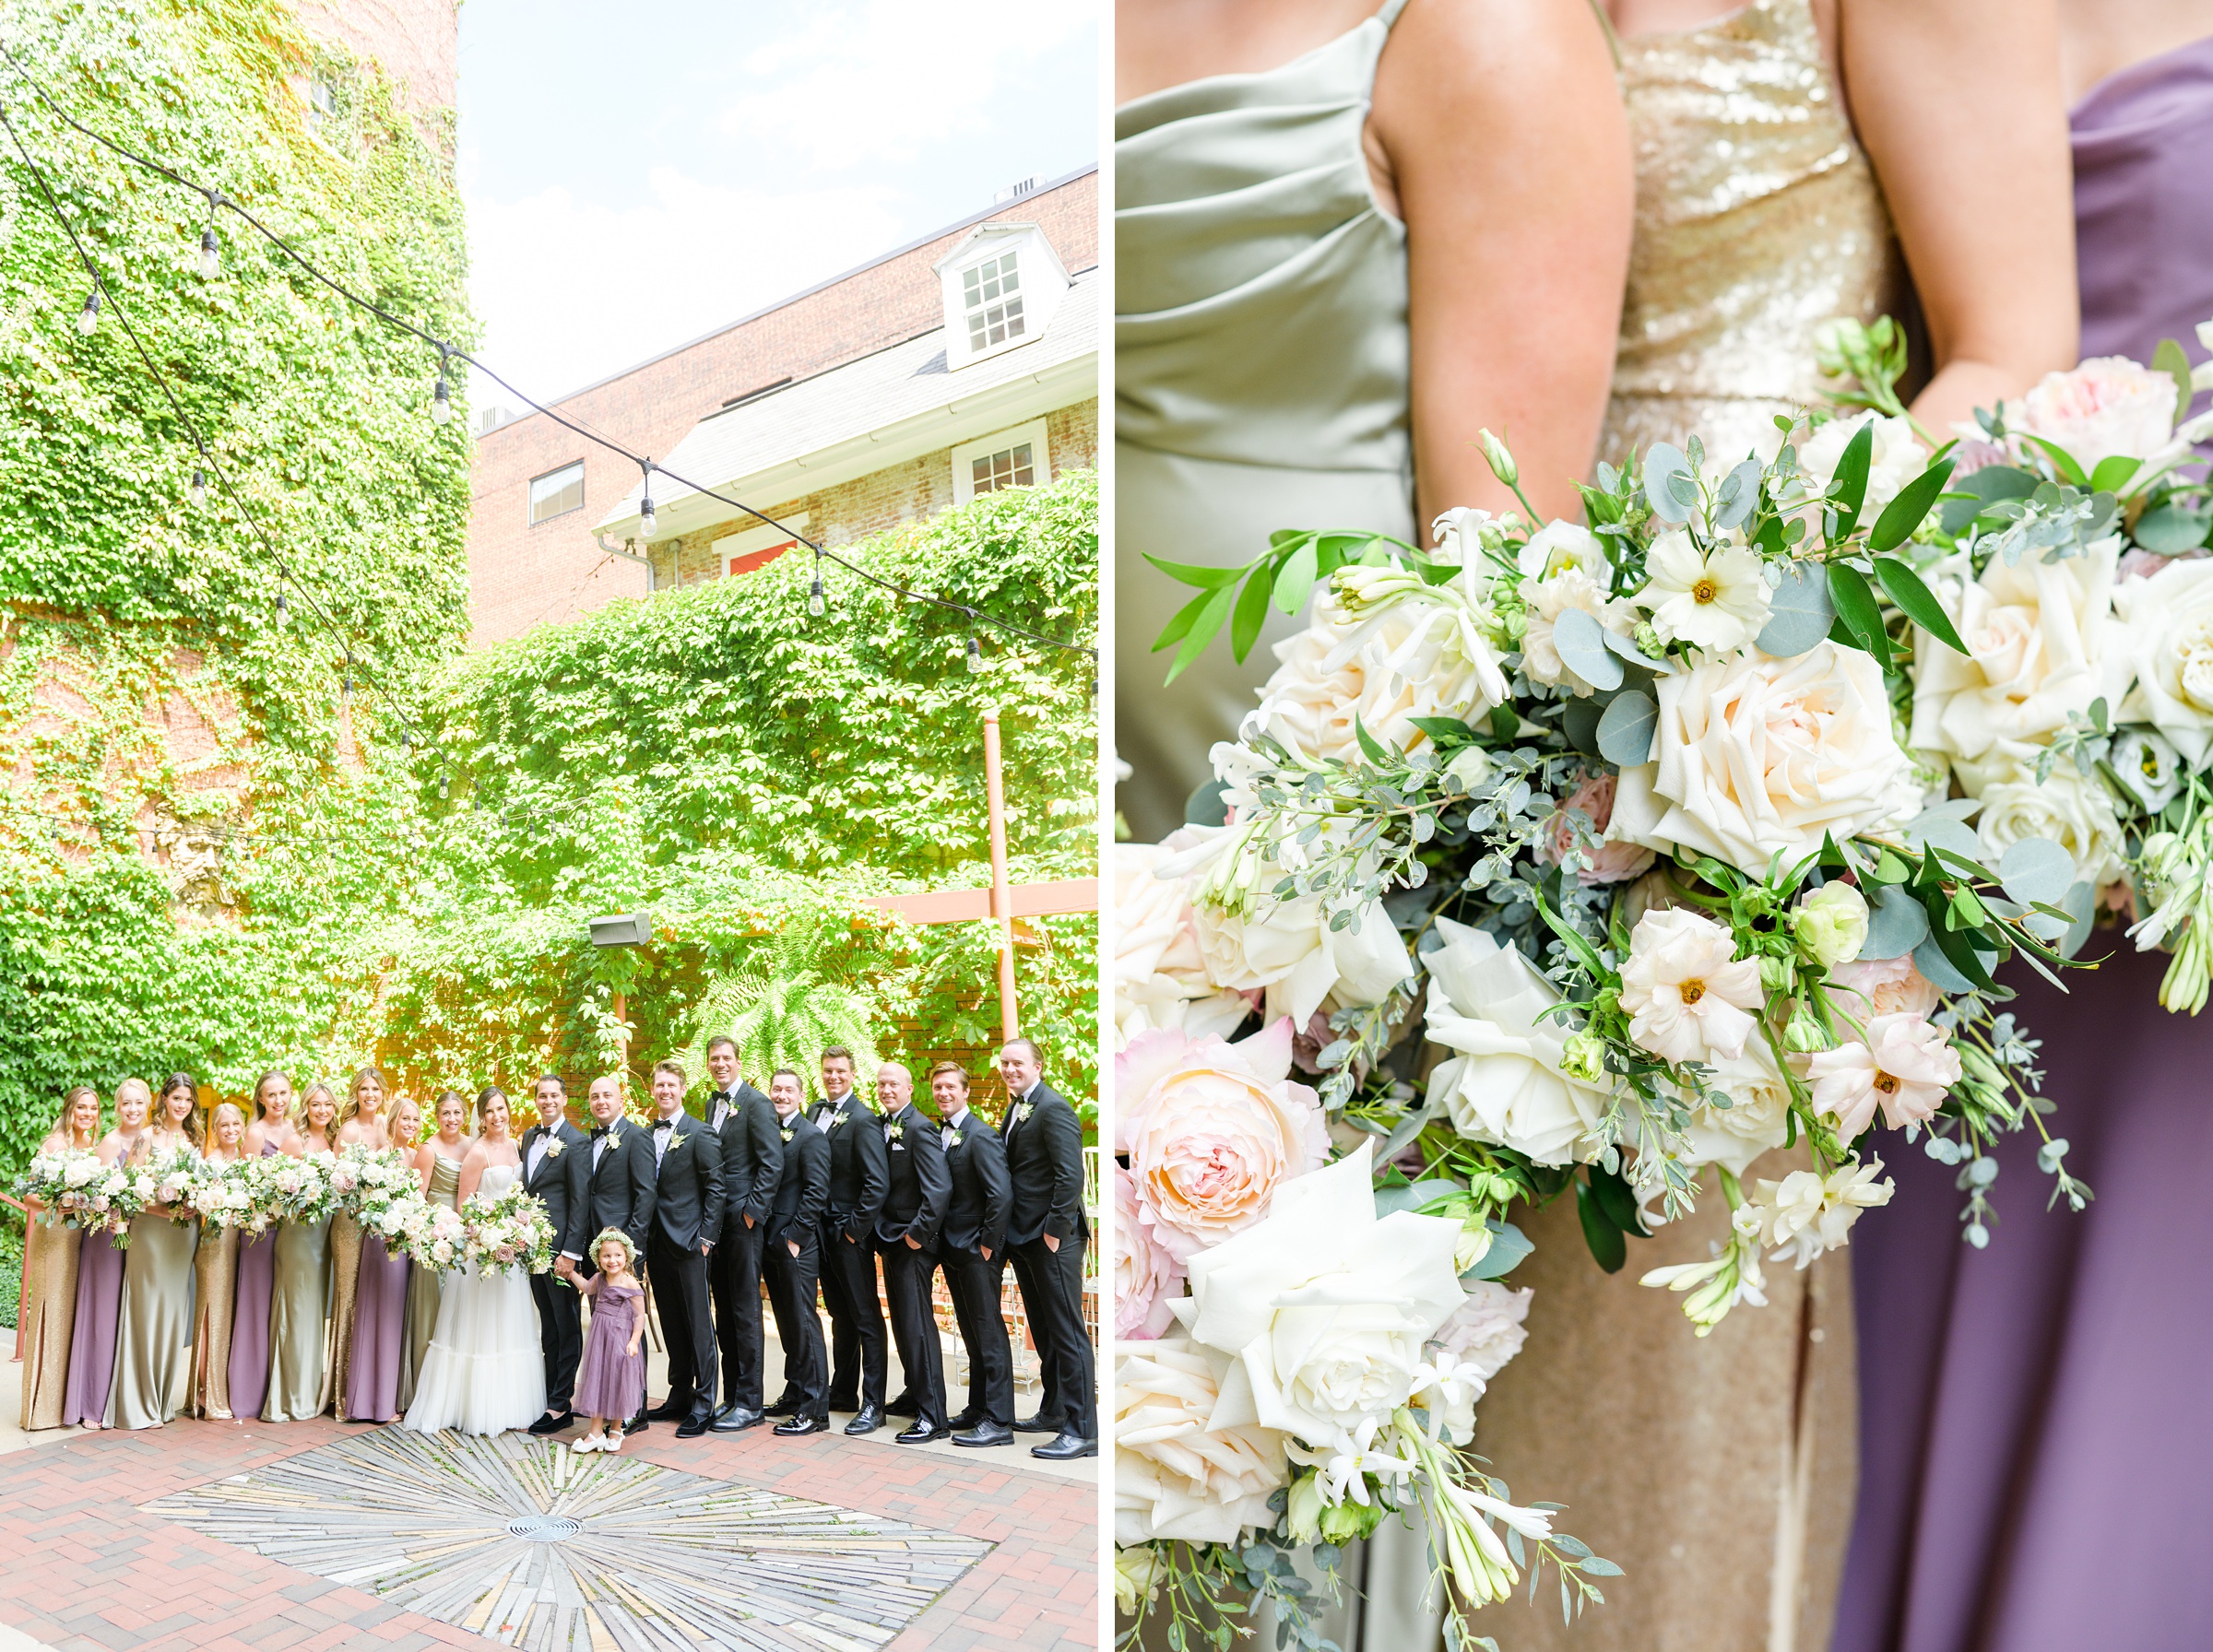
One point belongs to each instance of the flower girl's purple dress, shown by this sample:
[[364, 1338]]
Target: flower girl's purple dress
[[2034, 1435], [611, 1382]]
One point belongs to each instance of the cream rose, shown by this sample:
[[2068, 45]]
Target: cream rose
[[2170, 621], [2041, 644], [1182, 1470], [1488, 1329], [1146, 1278], [1213, 1131], [1325, 1307], [1756, 1119], [2107, 405], [1549, 598], [1755, 754], [1896, 459], [1159, 976], [1883, 986], [2076, 814], [1506, 1084]]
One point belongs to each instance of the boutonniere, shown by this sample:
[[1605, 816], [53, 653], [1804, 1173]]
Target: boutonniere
[[555, 1147], [894, 1130], [1023, 1110], [786, 1132], [838, 1118]]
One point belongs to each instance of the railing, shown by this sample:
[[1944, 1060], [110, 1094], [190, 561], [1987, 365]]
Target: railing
[[23, 1292]]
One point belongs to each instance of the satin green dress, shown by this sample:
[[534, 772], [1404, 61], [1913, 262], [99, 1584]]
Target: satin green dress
[[299, 1317], [153, 1329], [424, 1286], [1263, 368]]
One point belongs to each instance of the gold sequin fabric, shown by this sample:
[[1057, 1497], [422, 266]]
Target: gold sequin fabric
[[1758, 217]]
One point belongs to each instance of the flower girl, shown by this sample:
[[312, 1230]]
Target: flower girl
[[611, 1384]]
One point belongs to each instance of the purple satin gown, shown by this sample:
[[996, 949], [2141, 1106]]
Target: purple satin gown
[[380, 1310], [2036, 1448], [249, 1371], [92, 1339]]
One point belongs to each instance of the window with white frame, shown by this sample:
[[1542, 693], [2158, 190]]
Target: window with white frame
[[557, 492], [1015, 458], [991, 295]]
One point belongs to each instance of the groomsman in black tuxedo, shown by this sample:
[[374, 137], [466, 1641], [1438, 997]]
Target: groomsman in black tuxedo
[[557, 1168], [793, 1259], [859, 1176], [686, 1215], [752, 1158], [1046, 1230], [972, 1251], [620, 1184], [906, 1233]]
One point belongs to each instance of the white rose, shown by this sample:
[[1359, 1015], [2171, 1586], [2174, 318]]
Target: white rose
[[1181, 1470], [2076, 814], [1755, 1120], [1755, 754], [1488, 1329], [1560, 546], [2107, 405], [1159, 976], [1548, 599], [1896, 459], [2041, 644], [1506, 1084], [2170, 621], [1325, 1307]]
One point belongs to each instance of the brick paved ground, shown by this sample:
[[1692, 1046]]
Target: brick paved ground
[[82, 1568]]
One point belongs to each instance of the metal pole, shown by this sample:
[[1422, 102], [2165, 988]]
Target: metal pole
[[1002, 899]]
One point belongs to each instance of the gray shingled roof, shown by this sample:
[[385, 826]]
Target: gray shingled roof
[[896, 383]]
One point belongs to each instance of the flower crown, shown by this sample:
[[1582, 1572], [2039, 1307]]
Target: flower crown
[[616, 1237]]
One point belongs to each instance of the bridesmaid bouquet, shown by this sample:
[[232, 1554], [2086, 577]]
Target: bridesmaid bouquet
[[298, 1190], [221, 1193], [78, 1190], [368, 1180], [509, 1232], [431, 1237], [166, 1179]]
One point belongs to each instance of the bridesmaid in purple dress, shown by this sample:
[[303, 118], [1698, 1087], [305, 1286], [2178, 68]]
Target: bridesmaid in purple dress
[[2021, 1403], [100, 1279], [380, 1296], [249, 1370]]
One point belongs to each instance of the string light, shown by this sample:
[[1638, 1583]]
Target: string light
[[646, 521], [211, 255], [975, 654], [89, 317], [814, 597], [284, 613], [199, 480], [442, 407]]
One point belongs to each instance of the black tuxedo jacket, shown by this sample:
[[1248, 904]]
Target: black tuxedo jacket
[[803, 1188], [858, 1172], [982, 1194], [562, 1183], [752, 1155], [1045, 1161], [620, 1190], [687, 1200], [920, 1189]]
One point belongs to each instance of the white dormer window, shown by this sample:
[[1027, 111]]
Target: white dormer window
[[1003, 286], [992, 292]]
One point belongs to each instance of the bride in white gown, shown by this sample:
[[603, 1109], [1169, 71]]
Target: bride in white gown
[[484, 1372]]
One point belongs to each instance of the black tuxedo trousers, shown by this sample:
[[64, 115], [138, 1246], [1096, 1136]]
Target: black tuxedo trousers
[[791, 1282], [736, 1272], [1052, 1292], [858, 1354], [974, 1284], [680, 1293]]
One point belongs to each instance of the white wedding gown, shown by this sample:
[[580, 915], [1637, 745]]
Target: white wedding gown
[[484, 1372]]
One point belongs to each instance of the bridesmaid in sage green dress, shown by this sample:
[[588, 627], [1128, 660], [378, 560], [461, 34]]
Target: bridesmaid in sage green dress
[[438, 1162], [300, 1298], [156, 1321]]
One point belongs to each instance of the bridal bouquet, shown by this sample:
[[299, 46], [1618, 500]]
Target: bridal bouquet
[[75, 1188], [368, 1179], [509, 1232], [1300, 1353]]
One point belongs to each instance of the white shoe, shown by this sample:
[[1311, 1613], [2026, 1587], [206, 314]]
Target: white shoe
[[589, 1443], [612, 1443]]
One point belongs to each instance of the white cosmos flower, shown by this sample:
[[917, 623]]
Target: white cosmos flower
[[1688, 997], [1716, 600]]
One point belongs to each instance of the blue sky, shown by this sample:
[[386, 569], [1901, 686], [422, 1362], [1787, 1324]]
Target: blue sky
[[632, 184]]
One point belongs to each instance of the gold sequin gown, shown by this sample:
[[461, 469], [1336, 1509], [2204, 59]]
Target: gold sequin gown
[[345, 1275], [1717, 1473], [49, 1317], [215, 1300]]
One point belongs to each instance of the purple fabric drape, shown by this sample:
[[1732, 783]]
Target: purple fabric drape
[[2034, 1436]]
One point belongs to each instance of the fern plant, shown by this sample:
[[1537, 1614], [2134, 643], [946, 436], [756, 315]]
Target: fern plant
[[783, 1012]]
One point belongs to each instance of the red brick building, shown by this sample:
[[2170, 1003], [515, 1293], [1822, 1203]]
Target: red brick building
[[840, 412]]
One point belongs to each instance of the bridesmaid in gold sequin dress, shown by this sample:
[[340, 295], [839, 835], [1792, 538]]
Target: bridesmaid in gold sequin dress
[[50, 1265], [1719, 1473], [214, 1283]]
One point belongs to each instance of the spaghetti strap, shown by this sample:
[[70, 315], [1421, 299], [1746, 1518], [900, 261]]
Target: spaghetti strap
[[1390, 14]]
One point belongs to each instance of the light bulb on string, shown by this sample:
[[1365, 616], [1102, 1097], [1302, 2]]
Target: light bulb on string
[[89, 317], [646, 521], [975, 654], [199, 487], [814, 598], [442, 789], [211, 255], [284, 612], [442, 407]]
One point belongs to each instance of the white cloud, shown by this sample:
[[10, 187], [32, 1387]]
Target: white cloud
[[884, 80], [571, 290]]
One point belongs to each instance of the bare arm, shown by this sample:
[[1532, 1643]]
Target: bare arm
[[472, 1173], [1960, 108], [1508, 152]]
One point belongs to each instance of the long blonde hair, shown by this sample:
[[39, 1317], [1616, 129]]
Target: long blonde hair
[[77, 1093], [352, 1107], [307, 1099]]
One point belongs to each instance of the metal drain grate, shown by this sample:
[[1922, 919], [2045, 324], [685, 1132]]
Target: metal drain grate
[[543, 1529]]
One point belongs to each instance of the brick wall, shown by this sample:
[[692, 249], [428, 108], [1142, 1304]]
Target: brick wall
[[521, 576], [415, 41], [914, 492]]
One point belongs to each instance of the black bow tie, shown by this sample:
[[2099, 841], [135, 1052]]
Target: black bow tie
[[664, 1124], [599, 1131]]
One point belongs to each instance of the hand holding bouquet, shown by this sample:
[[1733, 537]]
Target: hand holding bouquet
[[509, 1232], [67, 1183], [368, 1179]]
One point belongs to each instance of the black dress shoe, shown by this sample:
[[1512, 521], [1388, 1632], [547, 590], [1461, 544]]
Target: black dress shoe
[[636, 1425], [554, 1424], [905, 1405], [1037, 1425], [866, 1421], [732, 1419], [693, 1426], [669, 1411], [782, 1406], [986, 1432], [965, 1419], [1066, 1448], [922, 1433], [803, 1425]]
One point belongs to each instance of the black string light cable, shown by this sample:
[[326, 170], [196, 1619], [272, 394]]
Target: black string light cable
[[441, 406]]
